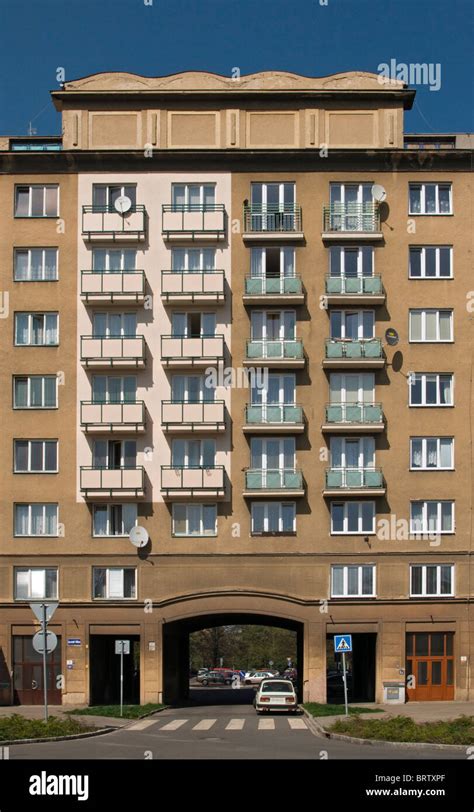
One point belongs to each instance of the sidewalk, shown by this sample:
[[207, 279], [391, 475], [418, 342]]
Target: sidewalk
[[419, 711]]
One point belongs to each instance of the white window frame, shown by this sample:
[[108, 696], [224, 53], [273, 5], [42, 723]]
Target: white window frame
[[423, 249], [281, 453], [363, 185], [423, 212], [342, 250], [345, 577], [266, 531], [424, 404], [366, 451], [28, 378], [122, 251], [202, 388], [109, 316], [111, 442], [31, 186], [345, 531], [187, 455], [109, 509], [189, 313], [424, 313], [30, 570], [425, 530], [202, 264], [262, 263], [344, 389], [266, 314], [424, 442], [108, 187], [187, 533], [438, 594], [187, 186], [36, 440], [35, 314], [282, 401], [360, 324], [108, 597], [263, 185], [30, 505], [107, 388], [42, 278]]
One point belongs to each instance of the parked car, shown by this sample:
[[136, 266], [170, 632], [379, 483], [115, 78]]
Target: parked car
[[276, 695], [257, 676], [290, 673], [215, 678], [202, 671]]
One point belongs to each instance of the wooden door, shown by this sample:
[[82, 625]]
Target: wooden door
[[430, 666], [28, 673]]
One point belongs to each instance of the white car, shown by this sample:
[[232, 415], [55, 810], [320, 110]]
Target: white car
[[256, 677], [276, 695]]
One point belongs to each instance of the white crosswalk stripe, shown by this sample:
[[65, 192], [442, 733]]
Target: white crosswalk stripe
[[297, 724], [266, 724], [235, 724], [142, 724], [175, 724], [205, 724]]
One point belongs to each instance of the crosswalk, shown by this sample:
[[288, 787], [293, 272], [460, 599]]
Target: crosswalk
[[235, 724]]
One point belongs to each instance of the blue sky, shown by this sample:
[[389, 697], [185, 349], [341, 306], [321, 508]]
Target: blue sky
[[87, 36]]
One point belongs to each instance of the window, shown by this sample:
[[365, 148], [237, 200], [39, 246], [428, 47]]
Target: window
[[114, 582], [431, 453], [273, 518], [35, 392], [194, 520], [272, 325], [192, 196], [430, 198], [114, 389], [32, 583], [114, 259], [36, 329], [193, 259], [431, 580], [352, 452], [36, 519], [351, 262], [193, 453], [35, 264], [431, 262], [113, 520], [353, 581], [352, 324], [191, 389], [105, 196], [111, 325], [114, 454], [431, 389], [352, 387], [272, 263], [431, 325], [431, 517], [273, 206], [36, 456], [272, 453], [193, 325], [37, 201], [280, 389], [351, 207], [352, 518]]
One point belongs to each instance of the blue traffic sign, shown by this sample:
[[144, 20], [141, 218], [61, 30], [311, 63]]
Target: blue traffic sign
[[342, 643]]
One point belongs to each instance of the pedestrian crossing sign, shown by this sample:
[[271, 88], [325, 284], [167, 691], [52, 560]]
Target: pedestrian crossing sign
[[342, 643]]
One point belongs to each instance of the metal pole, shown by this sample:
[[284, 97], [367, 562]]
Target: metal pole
[[45, 668], [345, 680], [121, 678]]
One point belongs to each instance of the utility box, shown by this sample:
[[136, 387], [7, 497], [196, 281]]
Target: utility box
[[394, 693]]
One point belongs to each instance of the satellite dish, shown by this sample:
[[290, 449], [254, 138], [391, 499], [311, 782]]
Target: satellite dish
[[391, 337], [123, 204], [378, 193], [138, 536]]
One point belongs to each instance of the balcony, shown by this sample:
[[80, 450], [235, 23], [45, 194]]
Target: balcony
[[198, 418], [353, 220], [277, 418], [355, 418], [273, 223], [204, 351], [183, 222], [105, 224], [113, 418], [364, 352], [273, 290], [193, 287], [112, 483], [113, 287], [278, 482], [118, 352], [354, 481], [354, 290], [178, 482], [280, 352]]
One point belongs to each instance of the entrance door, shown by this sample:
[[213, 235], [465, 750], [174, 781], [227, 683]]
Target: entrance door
[[430, 663], [28, 673]]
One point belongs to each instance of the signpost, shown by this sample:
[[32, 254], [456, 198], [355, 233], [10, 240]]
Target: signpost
[[122, 647], [343, 645], [44, 642]]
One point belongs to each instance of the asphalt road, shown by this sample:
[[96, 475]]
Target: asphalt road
[[218, 731]]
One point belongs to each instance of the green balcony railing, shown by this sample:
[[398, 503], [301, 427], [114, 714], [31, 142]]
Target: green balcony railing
[[354, 285], [353, 478], [273, 413], [349, 413], [356, 348], [291, 348], [273, 479], [275, 218], [279, 285], [358, 217]]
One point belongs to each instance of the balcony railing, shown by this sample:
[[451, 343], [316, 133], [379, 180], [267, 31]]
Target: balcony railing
[[200, 350], [122, 416], [105, 222], [125, 481], [354, 285], [275, 349], [356, 348], [288, 414], [354, 478], [193, 221], [185, 415], [193, 480], [113, 351], [273, 286], [351, 217], [354, 413], [193, 285], [274, 479], [110, 286], [277, 219]]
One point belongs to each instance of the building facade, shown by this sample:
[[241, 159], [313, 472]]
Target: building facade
[[237, 314]]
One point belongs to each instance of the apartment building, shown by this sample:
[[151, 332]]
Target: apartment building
[[236, 314]]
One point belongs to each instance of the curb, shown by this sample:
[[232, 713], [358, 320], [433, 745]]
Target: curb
[[128, 722], [99, 732], [318, 729]]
